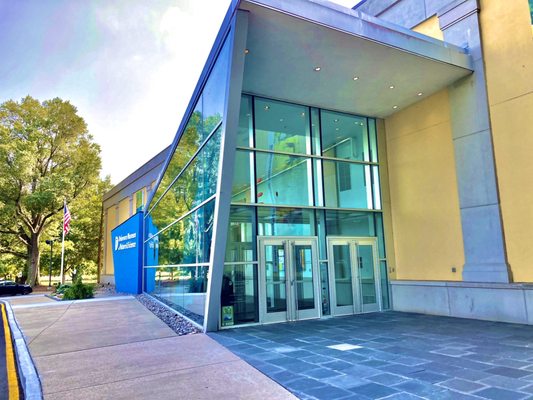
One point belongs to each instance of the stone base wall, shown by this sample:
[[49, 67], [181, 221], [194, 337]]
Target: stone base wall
[[511, 302]]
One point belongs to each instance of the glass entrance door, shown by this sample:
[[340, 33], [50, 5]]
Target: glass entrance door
[[354, 275], [288, 279]]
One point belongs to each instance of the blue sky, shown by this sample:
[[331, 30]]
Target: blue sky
[[129, 66]]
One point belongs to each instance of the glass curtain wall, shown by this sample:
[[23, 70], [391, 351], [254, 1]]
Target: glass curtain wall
[[179, 221], [299, 171]]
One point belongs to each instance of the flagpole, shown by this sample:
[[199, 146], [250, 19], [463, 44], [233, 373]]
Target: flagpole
[[61, 277]]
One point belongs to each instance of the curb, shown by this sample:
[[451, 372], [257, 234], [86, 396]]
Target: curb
[[29, 379]]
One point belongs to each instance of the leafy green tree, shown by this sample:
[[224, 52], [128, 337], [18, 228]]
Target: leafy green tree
[[46, 156]]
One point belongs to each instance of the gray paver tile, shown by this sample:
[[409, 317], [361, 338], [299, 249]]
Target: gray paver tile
[[374, 390], [345, 381], [462, 385], [427, 376], [387, 379], [505, 382], [328, 392], [500, 394], [338, 365], [321, 373], [419, 388], [510, 372]]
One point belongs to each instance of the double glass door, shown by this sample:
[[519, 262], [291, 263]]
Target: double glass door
[[354, 275], [288, 279]]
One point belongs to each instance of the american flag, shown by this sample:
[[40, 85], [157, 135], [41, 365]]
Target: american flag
[[66, 220]]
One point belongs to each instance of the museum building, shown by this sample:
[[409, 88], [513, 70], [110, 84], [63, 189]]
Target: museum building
[[335, 161]]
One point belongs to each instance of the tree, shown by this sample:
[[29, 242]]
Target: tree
[[47, 156]]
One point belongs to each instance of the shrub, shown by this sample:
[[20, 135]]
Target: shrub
[[61, 289], [78, 291]]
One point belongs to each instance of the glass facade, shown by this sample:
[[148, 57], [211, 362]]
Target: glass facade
[[299, 171], [180, 217]]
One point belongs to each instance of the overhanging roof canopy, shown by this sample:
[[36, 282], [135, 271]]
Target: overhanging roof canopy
[[287, 40]]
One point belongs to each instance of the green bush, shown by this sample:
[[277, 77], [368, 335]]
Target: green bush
[[61, 289], [78, 291]]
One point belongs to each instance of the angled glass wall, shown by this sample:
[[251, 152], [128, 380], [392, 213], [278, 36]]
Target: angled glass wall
[[299, 171], [179, 220]]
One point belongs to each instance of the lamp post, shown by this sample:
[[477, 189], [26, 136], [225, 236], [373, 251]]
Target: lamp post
[[51, 243]]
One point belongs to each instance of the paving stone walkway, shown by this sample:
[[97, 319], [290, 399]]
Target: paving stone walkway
[[392, 356]]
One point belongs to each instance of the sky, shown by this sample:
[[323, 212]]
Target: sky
[[129, 66]]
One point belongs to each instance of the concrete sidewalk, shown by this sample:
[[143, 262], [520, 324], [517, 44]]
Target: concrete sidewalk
[[118, 349]]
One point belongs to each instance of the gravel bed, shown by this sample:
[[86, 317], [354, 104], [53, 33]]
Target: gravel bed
[[174, 321]]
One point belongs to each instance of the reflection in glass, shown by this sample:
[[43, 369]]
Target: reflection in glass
[[181, 288], [242, 182], [384, 284], [376, 188], [196, 184], [303, 265], [188, 241], [245, 132], [366, 273], [347, 185], [348, 223], [372, 134], [343, 275], [285, 222], [275, 278], [241, 236], [207, 113], [239, 291], [324, 288], [282, 127], [283, 179], [344, 136]]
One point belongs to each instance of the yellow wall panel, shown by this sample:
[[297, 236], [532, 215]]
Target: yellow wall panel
[[507, 48], [430, 27], [124, 210], [110, 224], [423, 192], [508, 53]]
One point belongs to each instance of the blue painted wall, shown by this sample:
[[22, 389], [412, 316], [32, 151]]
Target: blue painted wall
[[127, 254]]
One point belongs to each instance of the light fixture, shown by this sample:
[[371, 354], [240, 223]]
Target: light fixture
[[303, 114], [336, 129], [395, 107], [246, 51], [391, 87], [317, 69], [362, 123], [267, 108], [281, 120], [335, 120], [355, 78], [419, 94]]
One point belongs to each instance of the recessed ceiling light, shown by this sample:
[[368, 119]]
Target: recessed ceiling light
[[317, 69], [419, 94], [355, 78], [246, 51], [362, 123], [335, 120], [281, 120], [267, 108], [395, 107], [391, 87], [336, 129], [303, 114]]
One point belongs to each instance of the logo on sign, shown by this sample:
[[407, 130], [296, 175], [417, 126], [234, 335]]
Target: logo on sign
[[125, 242]]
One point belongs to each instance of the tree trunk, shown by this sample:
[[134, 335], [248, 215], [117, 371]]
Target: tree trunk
[[34, 257]]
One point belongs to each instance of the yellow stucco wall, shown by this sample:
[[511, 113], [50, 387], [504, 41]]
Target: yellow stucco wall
[[430, 27], [508, 52], [123, 210], [424, 201], [110, 224]]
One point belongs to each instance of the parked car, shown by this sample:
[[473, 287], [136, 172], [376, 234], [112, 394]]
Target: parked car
[[13, 288]]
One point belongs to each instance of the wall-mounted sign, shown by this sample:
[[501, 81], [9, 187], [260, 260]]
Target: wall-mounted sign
[[127, 254]]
